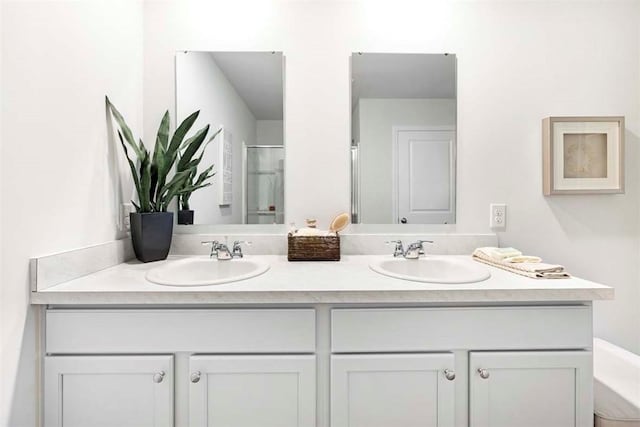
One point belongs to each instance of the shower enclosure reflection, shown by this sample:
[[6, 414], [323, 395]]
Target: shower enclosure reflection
[[264, 184]]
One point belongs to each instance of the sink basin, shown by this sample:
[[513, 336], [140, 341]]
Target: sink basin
[[205, 271], [432, 269]]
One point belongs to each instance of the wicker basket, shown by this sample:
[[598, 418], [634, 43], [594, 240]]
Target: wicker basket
[[314, 248]]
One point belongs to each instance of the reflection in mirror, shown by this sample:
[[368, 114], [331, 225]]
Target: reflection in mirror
[[242, 93], [265, 170], [403, 146]]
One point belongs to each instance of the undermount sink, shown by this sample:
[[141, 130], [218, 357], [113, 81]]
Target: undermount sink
[[206, 271], [432, 269]]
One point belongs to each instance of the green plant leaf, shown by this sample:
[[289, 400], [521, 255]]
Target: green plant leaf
[[184, 202], [154, 180], [170, 190], [145, 180], [191, 147], [190, 189], [187, 142], [189, 185], [180, 133], [132, 167], [206, 174], [158, 166], [126, 131], [163, 132], [214, 135]]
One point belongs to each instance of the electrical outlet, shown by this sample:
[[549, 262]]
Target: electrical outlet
[[498, 216], [126, 209]]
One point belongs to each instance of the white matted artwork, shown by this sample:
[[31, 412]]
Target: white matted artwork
[[225, 156], [583, 155]]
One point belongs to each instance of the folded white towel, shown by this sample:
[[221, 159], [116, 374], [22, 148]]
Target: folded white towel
[[523, 258], [499, 253], [537, 270]]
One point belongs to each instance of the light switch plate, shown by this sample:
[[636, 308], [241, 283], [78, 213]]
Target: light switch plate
[[498, 216]]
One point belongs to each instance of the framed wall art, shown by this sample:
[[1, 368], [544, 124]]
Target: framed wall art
[[582, 155]]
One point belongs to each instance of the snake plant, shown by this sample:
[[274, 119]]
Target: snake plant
[[193, 180], [155, 188]]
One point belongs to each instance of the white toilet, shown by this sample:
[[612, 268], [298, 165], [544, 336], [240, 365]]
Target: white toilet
[[616, 385]]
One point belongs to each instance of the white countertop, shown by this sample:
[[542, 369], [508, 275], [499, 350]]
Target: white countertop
[[348, 281]]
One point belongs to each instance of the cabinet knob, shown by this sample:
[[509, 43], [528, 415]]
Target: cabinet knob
[[449, 374], [195, 376], [484, 374], [158, 377]]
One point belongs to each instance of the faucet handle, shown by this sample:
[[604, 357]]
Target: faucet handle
[[214, 246], [419, 245], [237, 249], [399, 249]]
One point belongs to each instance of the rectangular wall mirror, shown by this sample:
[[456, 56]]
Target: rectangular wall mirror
[[242, 93], [403, 146]]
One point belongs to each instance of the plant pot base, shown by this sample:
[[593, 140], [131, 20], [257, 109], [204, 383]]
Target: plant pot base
[[151, 235], [185, 217]]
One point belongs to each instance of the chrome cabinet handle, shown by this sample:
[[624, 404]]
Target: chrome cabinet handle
[[449, 374], [484, 374], [195, 376], [158, 377]]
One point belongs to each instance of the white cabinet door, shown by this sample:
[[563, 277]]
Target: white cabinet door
[[107, 391], [251, 391], [392, 390], [531, 389]]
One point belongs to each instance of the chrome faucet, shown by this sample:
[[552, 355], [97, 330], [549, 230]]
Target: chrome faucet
[[220, 250], [237, 249], [414, 250]]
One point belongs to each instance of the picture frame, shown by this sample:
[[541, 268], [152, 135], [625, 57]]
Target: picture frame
[[583, 155]]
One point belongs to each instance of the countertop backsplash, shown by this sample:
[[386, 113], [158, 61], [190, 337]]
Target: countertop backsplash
[[351, 244]]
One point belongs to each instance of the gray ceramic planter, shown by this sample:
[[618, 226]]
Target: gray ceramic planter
[[151, 235]]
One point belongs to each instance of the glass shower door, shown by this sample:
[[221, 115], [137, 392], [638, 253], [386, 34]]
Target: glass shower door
[[265, 184]]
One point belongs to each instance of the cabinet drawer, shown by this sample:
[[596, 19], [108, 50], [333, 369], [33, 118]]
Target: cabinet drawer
[[86, 331], [478, 328]]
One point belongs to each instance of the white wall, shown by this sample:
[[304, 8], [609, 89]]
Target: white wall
[[59, 59], [376, 120], [518, 62], [201, 85], [270, 132]]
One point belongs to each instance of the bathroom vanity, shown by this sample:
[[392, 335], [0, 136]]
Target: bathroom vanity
[[317, 344]]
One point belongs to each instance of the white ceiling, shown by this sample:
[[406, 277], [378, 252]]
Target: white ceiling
[[257, 77], [396, 75]]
